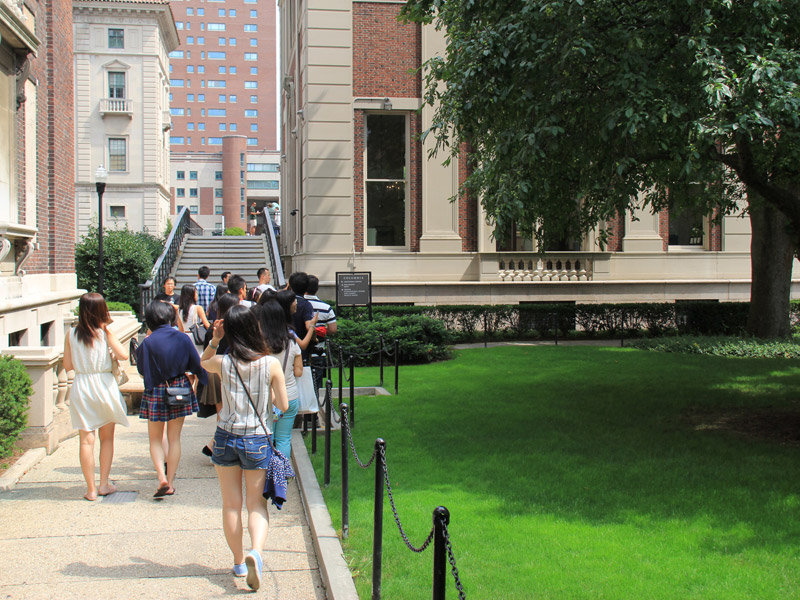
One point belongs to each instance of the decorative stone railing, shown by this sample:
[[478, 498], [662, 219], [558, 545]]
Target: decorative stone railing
[[48, 416], [116, 106], [548, 267]]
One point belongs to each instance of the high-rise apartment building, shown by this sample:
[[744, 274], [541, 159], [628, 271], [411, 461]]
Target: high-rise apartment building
[[222, 85]]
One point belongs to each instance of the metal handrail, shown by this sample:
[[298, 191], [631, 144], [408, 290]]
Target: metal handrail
[[163, 265], [276, 267]]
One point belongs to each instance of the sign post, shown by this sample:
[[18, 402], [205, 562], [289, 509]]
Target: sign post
[[354, 289]]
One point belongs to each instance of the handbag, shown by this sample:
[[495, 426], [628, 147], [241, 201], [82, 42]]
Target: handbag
[[120, 374], [178, 396], [279, 468], [198, 330], [307, 398]]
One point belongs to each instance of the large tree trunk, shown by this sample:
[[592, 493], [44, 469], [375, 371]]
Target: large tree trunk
[[772, 252]]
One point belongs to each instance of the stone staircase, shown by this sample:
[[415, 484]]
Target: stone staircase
[[241, 255]]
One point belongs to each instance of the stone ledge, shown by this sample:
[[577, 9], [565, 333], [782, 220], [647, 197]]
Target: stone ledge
[[25, 463], [332, 565]]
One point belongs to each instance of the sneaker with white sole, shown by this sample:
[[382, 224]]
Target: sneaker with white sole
[[240, 570], [254, 568]]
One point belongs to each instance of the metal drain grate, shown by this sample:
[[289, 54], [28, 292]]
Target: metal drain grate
[[119, 497]]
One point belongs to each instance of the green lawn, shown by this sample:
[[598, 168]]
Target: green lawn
[[581, 472]]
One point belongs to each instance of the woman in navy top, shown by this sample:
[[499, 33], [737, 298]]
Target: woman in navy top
[[163, 359]]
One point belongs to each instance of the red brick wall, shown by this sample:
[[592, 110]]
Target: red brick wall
[[663, 229], [383, 52], [467, 206], [616, 231], [55, 202]]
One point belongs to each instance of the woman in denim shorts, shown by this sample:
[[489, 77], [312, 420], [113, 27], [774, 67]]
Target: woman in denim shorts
[[240, 444]]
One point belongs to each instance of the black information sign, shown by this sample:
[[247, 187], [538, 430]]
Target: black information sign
[[353, 289]]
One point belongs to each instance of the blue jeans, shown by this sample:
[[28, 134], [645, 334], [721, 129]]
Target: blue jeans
[[282, 429], [250, 452]]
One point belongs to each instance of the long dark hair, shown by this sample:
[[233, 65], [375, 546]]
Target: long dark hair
[[273, 326], [225, 303], [244, 337], [213, 308], [188, 293], [92, 315], [286, 298]]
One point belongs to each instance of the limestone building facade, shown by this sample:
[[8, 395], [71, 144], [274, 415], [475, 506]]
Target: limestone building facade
[[360, 193], [122, 118]]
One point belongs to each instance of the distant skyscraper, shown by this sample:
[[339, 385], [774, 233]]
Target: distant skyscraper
[[223, 107], [223, 75]]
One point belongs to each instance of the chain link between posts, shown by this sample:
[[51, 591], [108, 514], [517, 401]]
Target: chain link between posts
[[452, 559]]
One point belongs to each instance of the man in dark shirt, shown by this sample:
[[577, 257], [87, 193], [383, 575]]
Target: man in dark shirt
[[303, 318]]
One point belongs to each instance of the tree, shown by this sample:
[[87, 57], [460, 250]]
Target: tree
[[128, 257], [575, 111]]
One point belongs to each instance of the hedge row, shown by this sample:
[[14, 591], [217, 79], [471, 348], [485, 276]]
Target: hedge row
[[722, 346], [471, 323]]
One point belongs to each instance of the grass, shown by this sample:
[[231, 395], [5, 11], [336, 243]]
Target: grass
[[585, 473]]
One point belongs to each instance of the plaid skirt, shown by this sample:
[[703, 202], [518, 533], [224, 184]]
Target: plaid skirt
[[154, 408]]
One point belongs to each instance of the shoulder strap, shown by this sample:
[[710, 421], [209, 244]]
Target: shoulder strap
[[250, 398], [286, 354]]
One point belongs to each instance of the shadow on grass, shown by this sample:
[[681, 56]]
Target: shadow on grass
[[601, 436]]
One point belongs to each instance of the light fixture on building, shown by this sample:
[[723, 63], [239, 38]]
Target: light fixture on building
[[387, 104], [294, 132], [302, 114]]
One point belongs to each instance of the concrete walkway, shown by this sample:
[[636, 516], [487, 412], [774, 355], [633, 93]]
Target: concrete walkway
[[55, 544]]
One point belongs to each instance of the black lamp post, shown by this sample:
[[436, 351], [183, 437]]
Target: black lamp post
[[100, 179]]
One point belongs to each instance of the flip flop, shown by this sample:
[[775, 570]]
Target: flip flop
[[164, 490]]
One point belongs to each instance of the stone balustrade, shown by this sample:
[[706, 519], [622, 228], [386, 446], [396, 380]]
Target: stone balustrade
[[48, 416], [115, 106], [567, 266]]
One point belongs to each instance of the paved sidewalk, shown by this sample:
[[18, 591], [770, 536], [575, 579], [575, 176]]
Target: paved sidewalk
[[55, 544]]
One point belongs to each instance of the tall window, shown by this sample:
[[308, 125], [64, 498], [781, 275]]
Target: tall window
[[686, 223], [117, 154], [116, 84], [385, 184], [116, 38]]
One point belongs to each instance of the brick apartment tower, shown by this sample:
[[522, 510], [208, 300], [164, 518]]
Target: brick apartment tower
[[223, 75]]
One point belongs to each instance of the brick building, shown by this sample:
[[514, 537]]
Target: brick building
[[223, 102], [37, 214], [359, 192]]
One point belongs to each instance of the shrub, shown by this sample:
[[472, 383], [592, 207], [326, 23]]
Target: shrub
[[421, 339], [15, 391], [128, 257], [234, 231], [722, 346], [119, 306]]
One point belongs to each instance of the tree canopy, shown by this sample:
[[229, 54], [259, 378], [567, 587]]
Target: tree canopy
[[602, 102]]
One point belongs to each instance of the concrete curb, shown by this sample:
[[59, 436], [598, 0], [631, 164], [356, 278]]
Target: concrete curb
[[332, 566], [26, 462]]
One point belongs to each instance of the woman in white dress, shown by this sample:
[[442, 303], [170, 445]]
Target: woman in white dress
[[190, 314], [95, 400]]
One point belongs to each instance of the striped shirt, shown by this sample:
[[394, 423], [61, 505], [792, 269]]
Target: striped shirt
[[326, 314], [237, 415]]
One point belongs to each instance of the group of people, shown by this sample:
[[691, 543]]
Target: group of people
[[274, 211], [254, 344]]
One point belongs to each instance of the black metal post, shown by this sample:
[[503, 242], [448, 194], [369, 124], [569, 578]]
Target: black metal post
[[440, 514], [314, 423], [555, 326], [328, 415], [622, 332], [351, 361], [485, 330], [396, 365], [101, 189], [377, 530], [380, 337], [345, 477], [341, 374]]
